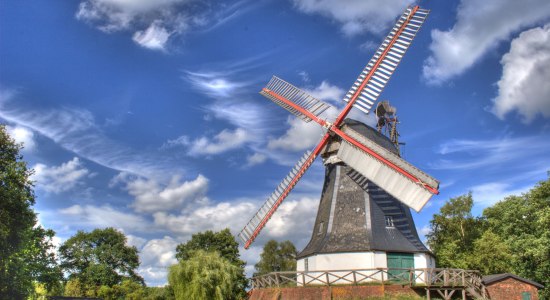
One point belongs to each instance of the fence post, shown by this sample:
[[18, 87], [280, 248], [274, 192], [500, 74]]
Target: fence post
[[326, 275]]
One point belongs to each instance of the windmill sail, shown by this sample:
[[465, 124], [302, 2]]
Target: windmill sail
[[370, 83], [388, 171], [280, 91], [258, 221]]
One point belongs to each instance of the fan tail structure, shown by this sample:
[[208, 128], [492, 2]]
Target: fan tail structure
[[259, 220], [374, 77], [293, 99]]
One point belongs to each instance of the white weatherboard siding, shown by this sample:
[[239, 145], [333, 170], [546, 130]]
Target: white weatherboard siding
[[353, 261]]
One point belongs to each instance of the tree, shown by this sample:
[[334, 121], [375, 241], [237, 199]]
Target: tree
[[26, 250], [276, 257], [453, 232], [204, 275], [523, 223], [222, 242], [99, 258]]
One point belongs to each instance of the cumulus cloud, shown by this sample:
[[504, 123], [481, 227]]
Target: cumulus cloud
[[224, 141], [480, 26], [151, 196], [210, 217], [526, 72], [355, 16], [154, 37], [299, 136], [57, 179], [22, 135], [156, 256], [327, 92]]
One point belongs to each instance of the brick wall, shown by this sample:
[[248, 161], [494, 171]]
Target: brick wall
[[328, 293], [511, 289]]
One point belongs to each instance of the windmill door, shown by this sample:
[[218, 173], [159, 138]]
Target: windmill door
[[397, 265]]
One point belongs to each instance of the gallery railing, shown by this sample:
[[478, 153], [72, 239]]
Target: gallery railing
[[467, 279]]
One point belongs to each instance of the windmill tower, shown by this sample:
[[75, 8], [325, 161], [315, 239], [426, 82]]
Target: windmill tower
[[363, 220]]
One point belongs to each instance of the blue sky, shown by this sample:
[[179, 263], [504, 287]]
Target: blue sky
[[145, 115]]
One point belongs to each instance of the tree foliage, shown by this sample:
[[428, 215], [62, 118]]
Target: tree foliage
[[276, 257], [453, 232], [512, 236], [204, 275], [99, 258], [222, 242], [26, 250]]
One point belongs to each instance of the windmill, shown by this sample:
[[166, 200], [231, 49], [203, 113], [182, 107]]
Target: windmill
[[363, 218]]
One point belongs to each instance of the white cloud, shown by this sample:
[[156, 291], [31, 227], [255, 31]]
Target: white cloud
[[215, 217], [255, 159], [152, 196], [76, 130], [22, 135], [490, 193], [523, 152], [143, 17], [90, 217], [480, 26], [57, 179], [159, 252], [299, 136], [214, 84], [327, 92], [526, 73], [115, 15], [356, 16], [225, 140], [154, 37]]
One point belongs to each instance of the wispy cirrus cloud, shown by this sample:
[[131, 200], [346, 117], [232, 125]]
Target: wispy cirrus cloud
[[490, 193], [153, 23], [521, 152], [480, 27], [355, 16], [76, 130]]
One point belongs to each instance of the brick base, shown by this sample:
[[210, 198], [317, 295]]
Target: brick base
[[328, 293]]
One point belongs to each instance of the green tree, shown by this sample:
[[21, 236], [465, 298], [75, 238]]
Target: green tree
[[491, 255], [523, 223], [26, 250], [276, 257], [222, 242], [99, 258], [453, 232], [204, 275]]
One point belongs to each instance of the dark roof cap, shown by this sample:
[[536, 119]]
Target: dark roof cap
[[498, 277]]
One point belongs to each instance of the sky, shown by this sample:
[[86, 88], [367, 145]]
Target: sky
[[145, 115]]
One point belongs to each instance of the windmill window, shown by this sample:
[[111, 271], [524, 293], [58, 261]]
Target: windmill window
[[306, 265], [321, 227], [389, 221]]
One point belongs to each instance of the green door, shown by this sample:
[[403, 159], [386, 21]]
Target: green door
[[397, 261], [525, 296]]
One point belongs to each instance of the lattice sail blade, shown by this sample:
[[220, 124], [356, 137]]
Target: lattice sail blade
[[278, 87], [371, 82], [259, 220], [412, 192]]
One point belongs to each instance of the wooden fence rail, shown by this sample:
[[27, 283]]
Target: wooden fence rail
[[434, 278]]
